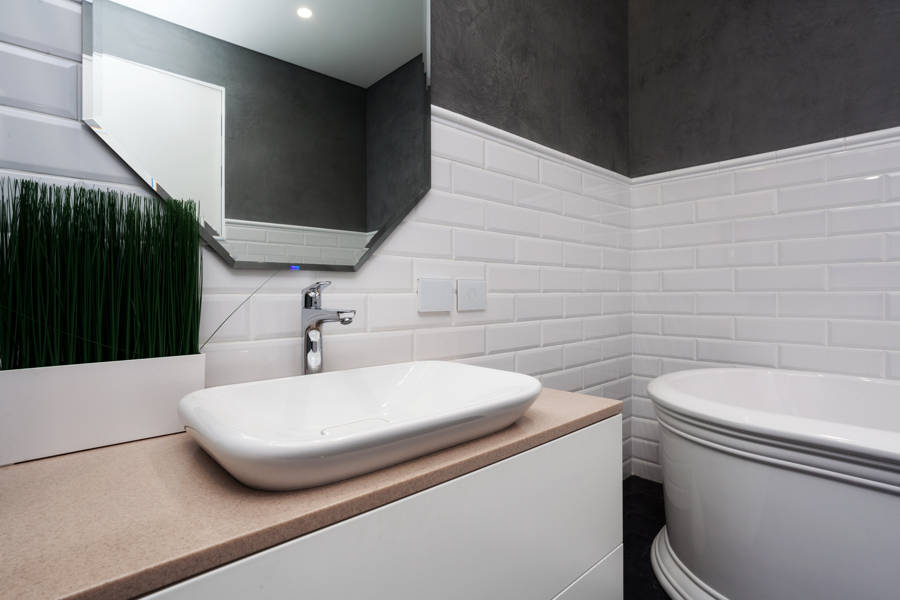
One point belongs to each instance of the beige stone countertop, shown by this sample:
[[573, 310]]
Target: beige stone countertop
[[125, 520]]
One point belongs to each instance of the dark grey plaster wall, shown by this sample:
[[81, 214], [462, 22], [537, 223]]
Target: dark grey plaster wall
[[398, 168], [552, 71], [711, 81], [295, 139]]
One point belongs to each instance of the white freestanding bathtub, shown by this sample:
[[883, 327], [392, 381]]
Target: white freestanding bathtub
[[778, 485]]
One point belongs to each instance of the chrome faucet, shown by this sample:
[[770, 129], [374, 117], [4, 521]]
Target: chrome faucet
[[312, 315]]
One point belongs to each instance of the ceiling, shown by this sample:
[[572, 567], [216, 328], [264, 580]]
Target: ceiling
[[358, 41]]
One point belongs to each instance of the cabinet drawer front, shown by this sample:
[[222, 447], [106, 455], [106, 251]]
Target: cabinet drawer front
[[525, 527], [604, 581]]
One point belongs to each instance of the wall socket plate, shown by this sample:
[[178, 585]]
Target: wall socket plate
[[435, 295], [471, 294]]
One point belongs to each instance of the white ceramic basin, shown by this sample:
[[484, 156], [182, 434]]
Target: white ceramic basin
[[304, 431]]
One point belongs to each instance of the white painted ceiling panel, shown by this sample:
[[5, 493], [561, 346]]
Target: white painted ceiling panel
[[358, 41]]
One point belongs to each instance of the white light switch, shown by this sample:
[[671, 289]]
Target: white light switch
[[471, 294], [435, 295]]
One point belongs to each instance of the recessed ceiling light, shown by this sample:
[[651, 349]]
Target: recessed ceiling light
[[304, 13]]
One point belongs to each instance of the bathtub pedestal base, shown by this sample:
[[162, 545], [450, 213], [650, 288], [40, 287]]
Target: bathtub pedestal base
[[673, 576]]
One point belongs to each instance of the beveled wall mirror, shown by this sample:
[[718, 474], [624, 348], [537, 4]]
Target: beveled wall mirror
[[300, 127]]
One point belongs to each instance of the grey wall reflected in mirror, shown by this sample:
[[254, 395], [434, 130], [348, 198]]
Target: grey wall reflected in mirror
[[304, 141]]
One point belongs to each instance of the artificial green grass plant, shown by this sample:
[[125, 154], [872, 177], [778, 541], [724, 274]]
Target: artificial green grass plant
[[89, 275]]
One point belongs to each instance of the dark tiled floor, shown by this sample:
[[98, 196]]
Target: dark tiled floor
[[644, 515]]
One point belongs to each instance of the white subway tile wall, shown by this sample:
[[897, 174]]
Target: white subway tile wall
[[783, 263], [595, 282]]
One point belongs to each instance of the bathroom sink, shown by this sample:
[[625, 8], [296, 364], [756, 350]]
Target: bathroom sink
[[310, 430]]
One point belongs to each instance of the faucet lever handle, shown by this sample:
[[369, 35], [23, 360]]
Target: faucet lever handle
[[312, 295], [316, 287]]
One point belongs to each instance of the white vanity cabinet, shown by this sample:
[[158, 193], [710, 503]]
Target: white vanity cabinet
[[544, 524]]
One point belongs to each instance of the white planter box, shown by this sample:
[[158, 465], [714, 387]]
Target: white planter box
[[54, 410]]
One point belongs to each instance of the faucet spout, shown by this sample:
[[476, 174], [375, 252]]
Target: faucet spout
[[315, 317]]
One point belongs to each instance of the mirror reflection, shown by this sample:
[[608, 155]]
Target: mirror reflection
[[301, 128]]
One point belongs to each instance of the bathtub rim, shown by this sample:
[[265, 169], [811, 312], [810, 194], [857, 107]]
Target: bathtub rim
[[866, 456]]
